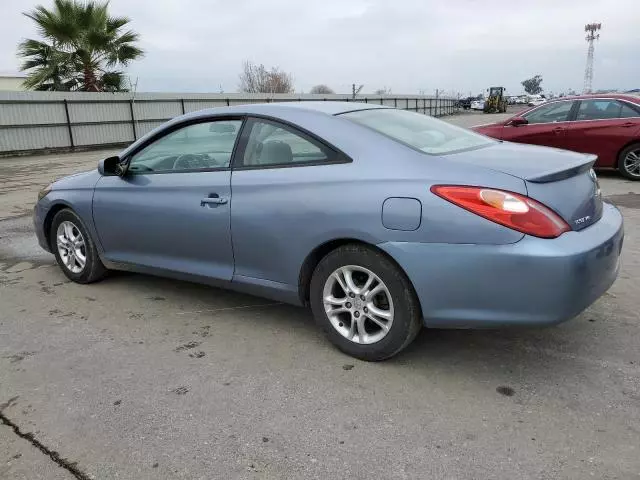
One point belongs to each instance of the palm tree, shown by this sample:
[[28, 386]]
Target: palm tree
[[81, 50], [49, 67]]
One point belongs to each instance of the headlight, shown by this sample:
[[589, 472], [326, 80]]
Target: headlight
[[43, 193]]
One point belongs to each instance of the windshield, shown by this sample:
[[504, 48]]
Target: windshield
[[424, 133]]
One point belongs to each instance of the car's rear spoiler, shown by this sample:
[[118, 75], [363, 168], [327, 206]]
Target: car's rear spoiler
[[566, 172]]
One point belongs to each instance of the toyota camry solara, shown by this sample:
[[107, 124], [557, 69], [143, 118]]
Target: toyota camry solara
[[381, 220]]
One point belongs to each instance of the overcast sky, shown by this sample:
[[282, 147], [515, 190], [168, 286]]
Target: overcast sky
[[407, 45]]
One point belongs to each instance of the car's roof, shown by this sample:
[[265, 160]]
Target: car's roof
[[622, 96], [280, 109], [308, 114]]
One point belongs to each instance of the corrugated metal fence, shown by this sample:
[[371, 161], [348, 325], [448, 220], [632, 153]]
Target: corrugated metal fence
[[31, 121]]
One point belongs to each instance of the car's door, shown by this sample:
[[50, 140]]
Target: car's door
[[281, 176], [547, 125], [172, 209], [603, 127]]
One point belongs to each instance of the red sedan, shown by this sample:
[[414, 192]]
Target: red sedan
[[605, 125]]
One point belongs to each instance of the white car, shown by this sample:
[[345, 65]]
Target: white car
[[534, 102], [477, 105]]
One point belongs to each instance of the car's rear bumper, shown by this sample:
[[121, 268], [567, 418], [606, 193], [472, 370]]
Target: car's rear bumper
[[532, 282]]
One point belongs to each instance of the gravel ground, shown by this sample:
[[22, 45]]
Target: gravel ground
[[139, 377]]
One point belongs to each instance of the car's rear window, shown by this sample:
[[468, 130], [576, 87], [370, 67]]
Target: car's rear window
[[424, 133]]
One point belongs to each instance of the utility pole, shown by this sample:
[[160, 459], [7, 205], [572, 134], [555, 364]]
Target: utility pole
[[591, 29], [355, 91], [134, 88]]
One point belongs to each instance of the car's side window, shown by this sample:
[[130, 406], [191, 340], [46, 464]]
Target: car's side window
[[627, 111], [274, 144], [200, 146], [604, 109], [553, 112]]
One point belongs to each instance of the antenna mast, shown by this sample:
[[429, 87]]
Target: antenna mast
[[591, 29]]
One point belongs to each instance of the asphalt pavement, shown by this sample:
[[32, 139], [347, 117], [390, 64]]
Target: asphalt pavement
[[139, 377]]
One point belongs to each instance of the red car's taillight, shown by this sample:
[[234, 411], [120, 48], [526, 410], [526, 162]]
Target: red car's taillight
[[506, 208]]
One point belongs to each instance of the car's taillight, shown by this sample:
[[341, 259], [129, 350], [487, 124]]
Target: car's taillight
[[506, 208]]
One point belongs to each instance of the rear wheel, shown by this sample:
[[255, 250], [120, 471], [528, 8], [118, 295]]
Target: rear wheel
[[74, 249], [364, 303], [629, 162]]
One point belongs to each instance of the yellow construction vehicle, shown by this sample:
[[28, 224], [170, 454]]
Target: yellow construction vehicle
[[497, 101]]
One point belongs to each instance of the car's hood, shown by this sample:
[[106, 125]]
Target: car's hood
[[485, 126], [529, 162], [77, 180]]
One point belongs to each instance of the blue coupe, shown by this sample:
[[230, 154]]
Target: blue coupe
[[381, 220]]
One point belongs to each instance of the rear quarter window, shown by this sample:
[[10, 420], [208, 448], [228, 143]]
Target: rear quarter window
[[627, 111], [421, 132]]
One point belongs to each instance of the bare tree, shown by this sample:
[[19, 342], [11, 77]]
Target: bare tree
[[253, 78], [280, 82], [257, 79], [383, 91], [322, 88]]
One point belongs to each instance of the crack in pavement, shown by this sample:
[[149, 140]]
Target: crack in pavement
[[71, 467]]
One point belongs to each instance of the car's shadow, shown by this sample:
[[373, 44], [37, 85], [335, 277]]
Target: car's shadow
[[513, 354], [609, 174]]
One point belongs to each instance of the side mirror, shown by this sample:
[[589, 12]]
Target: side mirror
[[517, 121], [111, 166]]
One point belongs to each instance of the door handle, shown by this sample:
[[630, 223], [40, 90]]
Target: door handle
[[558, 130], [629, 124], [213, 199]]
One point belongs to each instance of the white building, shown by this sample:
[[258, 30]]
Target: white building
[[11, 82]]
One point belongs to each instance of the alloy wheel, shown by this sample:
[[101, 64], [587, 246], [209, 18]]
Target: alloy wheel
[[71, 247], [358, 304], [632, 163]]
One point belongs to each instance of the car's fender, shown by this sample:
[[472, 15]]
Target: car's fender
[[74, 192]]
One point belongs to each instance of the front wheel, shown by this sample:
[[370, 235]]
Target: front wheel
[[74, 249], [364, 303], [629, 162]]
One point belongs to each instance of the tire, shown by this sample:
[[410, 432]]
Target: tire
[[626, 165], [81, 244], [369, 341]]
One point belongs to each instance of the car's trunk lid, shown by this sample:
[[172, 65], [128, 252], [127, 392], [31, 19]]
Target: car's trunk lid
[[564, 181]]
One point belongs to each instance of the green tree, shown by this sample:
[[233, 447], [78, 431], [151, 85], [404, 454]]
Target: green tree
[[532, 85], [322, 88], [83, 48]]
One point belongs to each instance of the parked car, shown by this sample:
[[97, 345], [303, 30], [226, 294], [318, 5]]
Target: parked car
[[477, 105], [381, 220], [465, 103], [605, 125], [534, 102]]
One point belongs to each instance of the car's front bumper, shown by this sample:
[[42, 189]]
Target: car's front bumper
[[532, 282], [39, 215]]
